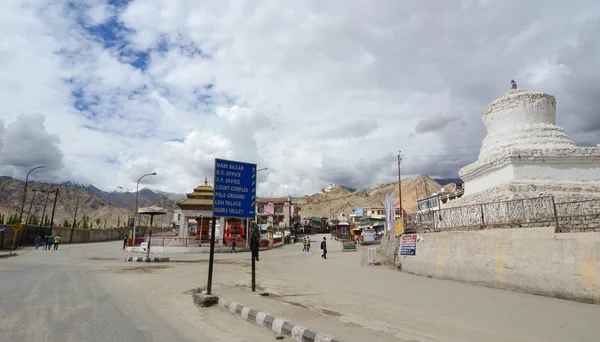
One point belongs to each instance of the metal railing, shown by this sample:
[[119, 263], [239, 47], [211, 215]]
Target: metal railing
[[162, 241], [520, 213]]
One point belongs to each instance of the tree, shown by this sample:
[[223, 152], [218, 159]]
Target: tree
[[66, 224], [47, 221], [2, 219], [34, 220], [11, 220], [98, 221], [86, 224], [91, 225], [118, 221]]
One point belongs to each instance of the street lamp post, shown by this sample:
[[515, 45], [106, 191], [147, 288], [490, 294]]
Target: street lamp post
[[25, 191], [135, 211]]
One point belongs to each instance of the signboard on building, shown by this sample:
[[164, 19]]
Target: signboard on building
[[359, 212], [235, 189], [408, 245]]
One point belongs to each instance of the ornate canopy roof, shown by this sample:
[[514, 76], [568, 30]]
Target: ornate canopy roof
[[200, 199]]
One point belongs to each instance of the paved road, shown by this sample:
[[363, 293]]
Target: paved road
[[74, 294]]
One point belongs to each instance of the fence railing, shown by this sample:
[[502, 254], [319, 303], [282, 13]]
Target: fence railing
[[177, 242], [520, 213]]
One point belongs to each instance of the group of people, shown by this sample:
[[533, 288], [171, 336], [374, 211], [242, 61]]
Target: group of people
[[306, 246], [48, 240]]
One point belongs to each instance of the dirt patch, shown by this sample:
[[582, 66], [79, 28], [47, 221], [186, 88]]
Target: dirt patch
[[298, 305], [141, 269], [331, 313], [217, 262], [103, 258], [352, 324]]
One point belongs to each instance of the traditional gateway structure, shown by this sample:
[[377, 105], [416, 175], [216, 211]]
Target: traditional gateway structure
[[199, 205]]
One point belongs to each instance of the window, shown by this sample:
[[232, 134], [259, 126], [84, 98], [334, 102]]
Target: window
[[278, 208], [261, 208], [178, 217]]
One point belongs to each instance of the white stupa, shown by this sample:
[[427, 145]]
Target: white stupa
[[525, 149]]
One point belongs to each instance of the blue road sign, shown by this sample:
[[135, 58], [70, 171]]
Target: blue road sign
[[235, 189]]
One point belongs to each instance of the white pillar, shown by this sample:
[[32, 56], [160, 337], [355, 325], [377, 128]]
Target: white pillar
[[222, 232], [184, 227]]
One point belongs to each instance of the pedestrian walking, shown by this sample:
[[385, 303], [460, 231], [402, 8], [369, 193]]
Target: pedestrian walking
[[233, 247], [38, 239], [324, 248], [124, 241], [49, 240], [308, 244], [304, 245], [56, 242]]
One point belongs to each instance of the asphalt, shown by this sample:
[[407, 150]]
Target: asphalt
[[75, 294]]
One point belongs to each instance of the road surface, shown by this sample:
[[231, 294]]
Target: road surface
[[87, 293], [77, 294]]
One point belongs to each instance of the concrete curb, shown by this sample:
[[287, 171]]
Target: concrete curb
[[145, 259], [278, 325]]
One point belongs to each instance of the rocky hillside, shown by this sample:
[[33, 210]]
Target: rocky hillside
[[412, 189], [100, 213], [343, 200], [335, 202]]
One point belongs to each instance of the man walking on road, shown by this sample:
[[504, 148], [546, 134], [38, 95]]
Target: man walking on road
[[308, 244], [38, 239], [56, 242], [304, 245], [48, 241], [124, 241], [233, 247], [324, 248]]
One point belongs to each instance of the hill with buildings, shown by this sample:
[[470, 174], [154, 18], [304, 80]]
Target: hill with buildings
[[340, 199]]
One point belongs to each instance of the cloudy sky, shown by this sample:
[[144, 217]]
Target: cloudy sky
[[103, 91]]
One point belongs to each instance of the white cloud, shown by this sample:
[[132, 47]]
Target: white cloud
[[316, 91]]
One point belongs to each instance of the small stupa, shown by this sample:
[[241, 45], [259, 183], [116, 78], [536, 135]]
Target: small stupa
[[526, 154]]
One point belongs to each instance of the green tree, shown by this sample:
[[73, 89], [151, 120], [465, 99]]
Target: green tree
[[98, 221], [86, 224], [11, 220], [47, 221], [2, 219], [66, 224], [92, 225], [118, 221], [34, 220]]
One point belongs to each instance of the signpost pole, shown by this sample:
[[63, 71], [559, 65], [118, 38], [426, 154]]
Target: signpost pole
[[234, 197], [211, 259], [253, 272]]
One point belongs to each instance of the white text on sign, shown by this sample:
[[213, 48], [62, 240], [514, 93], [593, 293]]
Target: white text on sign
[[230, 166]]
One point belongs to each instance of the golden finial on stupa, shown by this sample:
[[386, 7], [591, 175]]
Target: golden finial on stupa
[[205, 180]]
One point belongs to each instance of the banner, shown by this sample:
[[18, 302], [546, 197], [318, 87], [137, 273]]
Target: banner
[[389, 211], [408, 245], [399, 227], [269, 209]]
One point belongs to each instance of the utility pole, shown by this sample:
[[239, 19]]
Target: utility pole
[[44, 211], [400, 186], [163, 216], [425, 185], [74, 221], [30, 206], [53, 209]]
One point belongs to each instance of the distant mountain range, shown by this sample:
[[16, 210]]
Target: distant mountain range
[[126, 198]]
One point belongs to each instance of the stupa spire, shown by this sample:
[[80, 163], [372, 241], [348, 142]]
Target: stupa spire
[[205, 180]]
